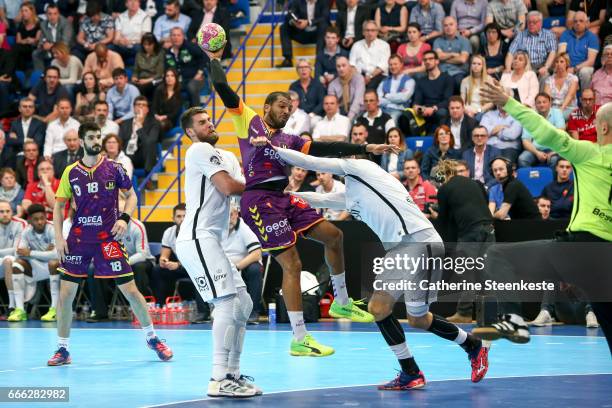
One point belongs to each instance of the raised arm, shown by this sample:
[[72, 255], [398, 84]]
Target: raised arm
[[230, 98], [295, 158]]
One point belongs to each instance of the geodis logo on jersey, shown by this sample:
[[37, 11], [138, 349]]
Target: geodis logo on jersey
[[278, 228], [111, 250]]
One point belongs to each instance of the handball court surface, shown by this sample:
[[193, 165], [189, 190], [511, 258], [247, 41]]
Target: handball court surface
[[562, 366]]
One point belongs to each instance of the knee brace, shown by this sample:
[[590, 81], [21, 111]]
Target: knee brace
[[241, 310]]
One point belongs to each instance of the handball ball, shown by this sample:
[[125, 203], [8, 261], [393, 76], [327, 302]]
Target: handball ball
[[211, 37]]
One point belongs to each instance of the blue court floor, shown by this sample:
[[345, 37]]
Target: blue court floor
[[565, 366]]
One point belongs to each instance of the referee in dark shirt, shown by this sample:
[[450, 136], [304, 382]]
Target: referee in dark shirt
[[464, 215]]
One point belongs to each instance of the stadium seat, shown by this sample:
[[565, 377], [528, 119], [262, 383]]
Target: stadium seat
[[421, 143], [21, 77], [535, 178], [129, 73], [35, 78], [551, 22], [11, 39], [155, 248]]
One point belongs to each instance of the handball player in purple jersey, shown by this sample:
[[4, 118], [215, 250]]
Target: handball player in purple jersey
[[276, 217], [94, 183]]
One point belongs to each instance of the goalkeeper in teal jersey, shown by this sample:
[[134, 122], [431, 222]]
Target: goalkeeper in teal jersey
[[566, 258]]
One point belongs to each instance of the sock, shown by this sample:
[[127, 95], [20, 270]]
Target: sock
[[19, 289], [63, 342], [396, 339], [223, 320], [54, 283], [11, 295], [297, 325], [149, 332], [340, 293], [442, 328], [243, 305]]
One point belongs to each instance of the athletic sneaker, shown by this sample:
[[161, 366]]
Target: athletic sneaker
[[309, 347], [404, 382], [479, 360], [229, 387], [509, 326], [18, 315], [543, 319], [350, 311], [61, 357], [163, 352], [247, 382], [49, 316], [591, 321]]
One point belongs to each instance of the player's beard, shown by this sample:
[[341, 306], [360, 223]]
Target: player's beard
[[212, 137], [93, 150], [276, 122]]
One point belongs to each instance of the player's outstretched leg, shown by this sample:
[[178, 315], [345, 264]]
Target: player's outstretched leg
[[342, 307], [139, 306], [67, 292], [227, 340], [303, 343], [420, 317], [410, 376]]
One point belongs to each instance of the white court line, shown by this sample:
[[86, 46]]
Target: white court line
[[102, 363], [554, 343], [38, 368], [6, 371], [357, 348], [371, 385]]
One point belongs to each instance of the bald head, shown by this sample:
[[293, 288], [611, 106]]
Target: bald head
[[580, 22], [603, 123]]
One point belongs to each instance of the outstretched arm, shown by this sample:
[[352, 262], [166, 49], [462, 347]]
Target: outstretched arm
[[333, 201], [295, 158], [341, 149]]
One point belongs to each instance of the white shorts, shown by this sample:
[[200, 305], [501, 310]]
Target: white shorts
[[209, 268], [40, 270], [5, 258]]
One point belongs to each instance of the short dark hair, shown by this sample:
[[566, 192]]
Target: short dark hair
[[35, 208], [560, 160], [64, 99], [178, 207], [118, 72], [93, 8], [187, 116], [415, 25], [480, 127], [371, 91], [432, 52], [358, 124], [493, 26], [544, 94], [332, 30], [275, 96], [173, 3], [54, 68], [396, 56], [88, 126], [456, 98], [140, 98], [109, 137], [99, 102], [52, 5]]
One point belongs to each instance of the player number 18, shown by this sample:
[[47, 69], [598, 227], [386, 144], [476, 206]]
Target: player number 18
[[116, 266]]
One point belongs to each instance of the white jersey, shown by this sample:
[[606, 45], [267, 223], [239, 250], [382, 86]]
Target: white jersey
[[207, 208], [169, 238], [372, 195], [137, 243], [41, 245], [10, 235], [239, 242]]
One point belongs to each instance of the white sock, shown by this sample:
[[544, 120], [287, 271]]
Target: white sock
[[19, 289], [63, 342], [401, 351], [149, 332], [461, 336], [297, 325], [340, 293], [242, 311], [11, 294], [54, 283], [223, 320]]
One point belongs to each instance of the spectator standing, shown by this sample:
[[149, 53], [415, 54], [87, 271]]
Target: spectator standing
[[429, 15], [421, 191], [460, 124], [26, 127], [348, 87], [370, 56], [442, 149], [471, 16], [562, 86], [454, 51], [602, 78], [172, 18], [130, 27], [334, 126], [534, 153], [149, 65], [581, 123], [305, 23], [325, 64], [560, 191], [470, 88], [396, 90], [509, 15], [28, 35], [582, 47], [189, 61], [412, 51], [121, 97], [103, 62], [47, 93], [350, 22], [57, 129], [167, 102], [504, 133], [299, 121], [96, 28], [55, 29], [393, 163], [522, 79], [479, 156], [310, 92], [72, 153], [42, 191]]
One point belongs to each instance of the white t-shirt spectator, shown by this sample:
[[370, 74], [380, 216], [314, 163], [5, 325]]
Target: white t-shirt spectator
[[338, 187], [337, 125], [239, 242], [169, 238], [133, 28], [54, 137]]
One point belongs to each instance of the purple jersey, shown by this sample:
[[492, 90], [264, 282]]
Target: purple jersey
[[96, 194], [262, 163]]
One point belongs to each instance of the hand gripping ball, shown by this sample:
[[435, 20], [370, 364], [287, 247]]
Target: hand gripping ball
[[211, 37]]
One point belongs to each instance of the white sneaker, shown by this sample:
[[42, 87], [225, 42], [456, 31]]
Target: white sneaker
[[228, 387], [247, 382], [591, 321], [543, 319]]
